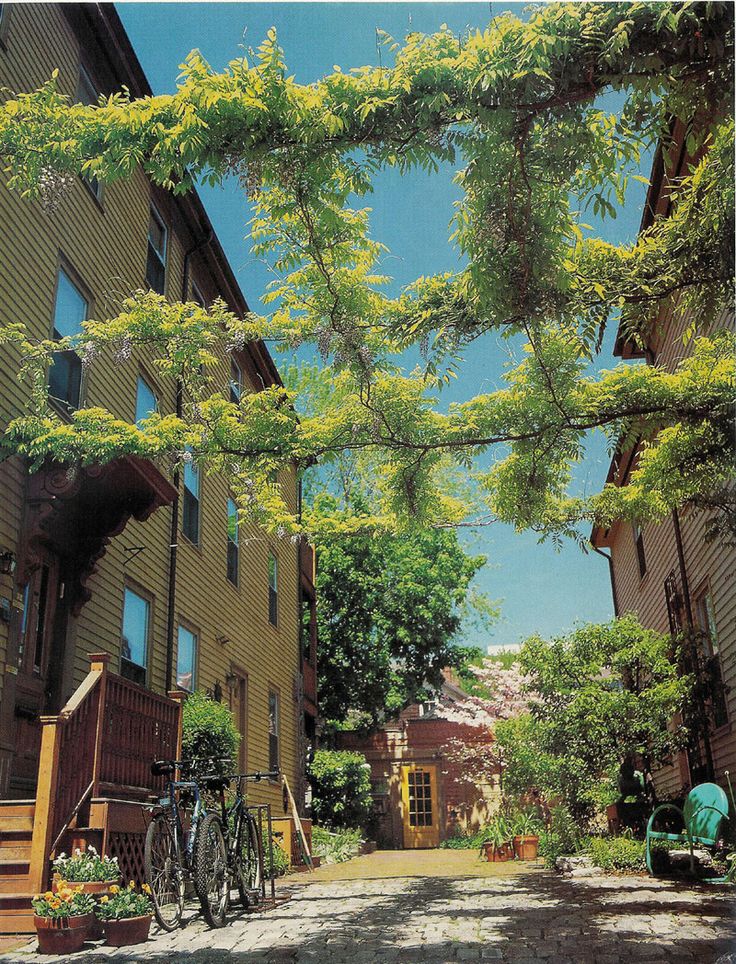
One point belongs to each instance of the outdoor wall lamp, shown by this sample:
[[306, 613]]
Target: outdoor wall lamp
[[7, 562], [230, 680]]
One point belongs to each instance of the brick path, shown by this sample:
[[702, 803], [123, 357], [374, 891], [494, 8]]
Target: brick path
[[439, 906]]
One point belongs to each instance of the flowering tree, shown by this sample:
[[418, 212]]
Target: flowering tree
[[499, 694], [518, 105]]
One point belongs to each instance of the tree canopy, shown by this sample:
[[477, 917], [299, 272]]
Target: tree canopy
[[516, 109], [389, 616]]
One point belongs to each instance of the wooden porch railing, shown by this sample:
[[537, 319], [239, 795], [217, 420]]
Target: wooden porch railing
[[103, 740]]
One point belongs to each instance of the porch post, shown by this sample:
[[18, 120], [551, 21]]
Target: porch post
[[178, 696], [44, 813], [98, 664]]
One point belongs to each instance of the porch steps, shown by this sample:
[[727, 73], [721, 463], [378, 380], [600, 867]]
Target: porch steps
[[16, 829]]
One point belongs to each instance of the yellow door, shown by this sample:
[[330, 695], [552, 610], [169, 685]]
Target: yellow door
[[419, 806]]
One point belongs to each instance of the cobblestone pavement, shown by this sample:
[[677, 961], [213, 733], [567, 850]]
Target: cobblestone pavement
[[524, 916]]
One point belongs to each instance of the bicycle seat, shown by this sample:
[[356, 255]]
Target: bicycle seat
[[163, 768], [215, 783]]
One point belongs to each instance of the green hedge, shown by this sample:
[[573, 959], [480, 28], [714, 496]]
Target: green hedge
[[618, 853], [209, 730], [341, 789]]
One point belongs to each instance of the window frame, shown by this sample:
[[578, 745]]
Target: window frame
[[230, 542], [188, 627], [236, 385], [641, 557], [197, 542], [706, 625], [84, 78], [195, 294], [273, 591], [137, 590], [163, 259], [275, 692], [148, 382], [62, 406]]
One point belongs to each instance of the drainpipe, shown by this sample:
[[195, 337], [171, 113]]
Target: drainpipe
[[612, 575], [691, 627], [174, 528]]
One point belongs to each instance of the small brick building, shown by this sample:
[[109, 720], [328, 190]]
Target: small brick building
[[419, 796]]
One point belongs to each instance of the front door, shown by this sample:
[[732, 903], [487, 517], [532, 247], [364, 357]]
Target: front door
[[419, 805], [34, 685]]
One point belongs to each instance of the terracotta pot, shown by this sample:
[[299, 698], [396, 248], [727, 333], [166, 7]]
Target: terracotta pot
[[129, 930], [98, 888], [526, 846], [62, 935], [497, 854]]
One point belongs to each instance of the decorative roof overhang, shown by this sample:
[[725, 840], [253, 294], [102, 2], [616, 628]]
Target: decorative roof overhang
[[76, 510]]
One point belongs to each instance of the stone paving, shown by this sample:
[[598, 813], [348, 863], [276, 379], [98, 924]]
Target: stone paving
[[399, 908]]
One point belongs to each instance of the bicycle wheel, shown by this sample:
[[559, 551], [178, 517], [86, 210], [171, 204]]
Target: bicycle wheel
[[211, 874], [248, 865], [163, 873]]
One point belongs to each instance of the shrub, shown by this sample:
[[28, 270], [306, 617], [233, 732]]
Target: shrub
[[209, 731], [335, 848], [341, 788], [562, 838], [281, 860], [618, 853]]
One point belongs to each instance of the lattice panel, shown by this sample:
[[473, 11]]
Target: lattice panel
[[128, 848]]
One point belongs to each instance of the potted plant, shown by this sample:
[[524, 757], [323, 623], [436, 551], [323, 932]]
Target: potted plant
[[526, 835], [62, 920], [90, 871], [126, 914], [497, 845]]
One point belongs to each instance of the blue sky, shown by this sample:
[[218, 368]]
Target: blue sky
[[540, 589]]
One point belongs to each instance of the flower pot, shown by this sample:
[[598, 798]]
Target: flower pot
[[95, 887], [62, 935], [128, 930], [98, 888], [526, 846], [497, 853]]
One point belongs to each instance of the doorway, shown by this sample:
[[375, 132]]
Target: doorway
[[420, 816], [42, 632]]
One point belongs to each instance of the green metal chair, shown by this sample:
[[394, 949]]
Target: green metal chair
[[706, 807]]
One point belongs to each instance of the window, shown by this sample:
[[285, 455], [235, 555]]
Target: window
[[306, 627], [197, 296], [156, 263], [674, 603], [273, 730], [273, 588], [232, 542], [134, 649], [87, 94], [4, 18], [190, 512], [70, 310], [236, 381], [639, 543], [186, 659], [706, 620], [146, 402]]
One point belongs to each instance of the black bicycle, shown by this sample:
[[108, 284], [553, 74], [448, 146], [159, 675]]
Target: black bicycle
[[174, 856], [231, 836]]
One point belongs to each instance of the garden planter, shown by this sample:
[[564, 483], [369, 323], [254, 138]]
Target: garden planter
[[526, 846], [129, 930], [97, 888], [497, 854], [62, 935]]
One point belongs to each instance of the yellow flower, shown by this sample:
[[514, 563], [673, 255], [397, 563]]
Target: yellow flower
[[104, 900], [48, 895], [114, 889], [131, 885], [146, 888]]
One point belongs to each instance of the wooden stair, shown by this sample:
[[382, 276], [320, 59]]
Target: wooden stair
[[16, 830]]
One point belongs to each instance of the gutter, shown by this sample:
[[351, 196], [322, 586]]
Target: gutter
[[612, 575]]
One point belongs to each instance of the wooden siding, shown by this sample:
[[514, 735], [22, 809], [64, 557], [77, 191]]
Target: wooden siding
[[706, 562], [106, 247]]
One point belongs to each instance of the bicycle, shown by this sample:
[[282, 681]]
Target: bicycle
[[243, 849], [171, 853]]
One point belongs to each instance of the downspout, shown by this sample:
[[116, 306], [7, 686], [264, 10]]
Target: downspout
[[691, 627], [174, 528], [612, 575]]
